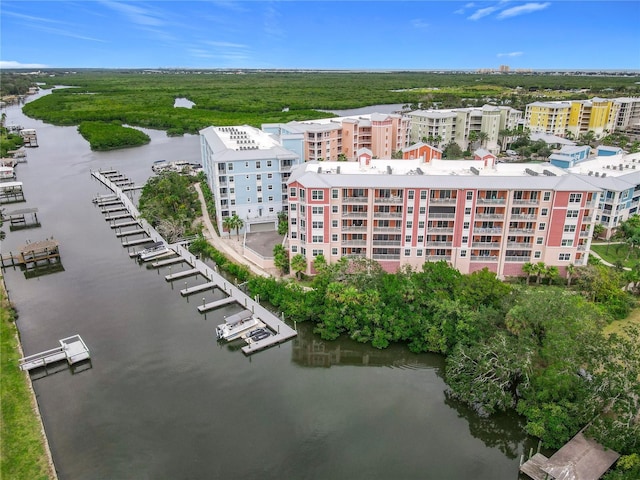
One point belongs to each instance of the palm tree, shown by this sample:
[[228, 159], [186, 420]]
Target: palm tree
[[540, 269], [483, 137], [473, 137], [551, 272], [298, 264], [228, 224], [237, 224], [571, 270], [528, 268]]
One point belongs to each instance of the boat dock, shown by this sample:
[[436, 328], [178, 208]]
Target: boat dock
[[281, 332], [33, 255], [72, 349], [11, 192], [21, 219]]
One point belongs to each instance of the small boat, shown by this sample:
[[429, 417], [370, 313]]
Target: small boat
[[230, 330], [155, 250], [7, 173]]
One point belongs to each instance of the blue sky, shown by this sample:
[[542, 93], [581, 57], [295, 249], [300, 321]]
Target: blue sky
[[331, 34]]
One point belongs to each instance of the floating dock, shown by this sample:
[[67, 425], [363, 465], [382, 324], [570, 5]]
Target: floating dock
[[72, 349], [281, 332]]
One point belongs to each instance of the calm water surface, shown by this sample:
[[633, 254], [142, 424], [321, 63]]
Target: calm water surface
[[163, 400]]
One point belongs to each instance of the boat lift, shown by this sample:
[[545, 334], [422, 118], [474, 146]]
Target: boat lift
[[72, 349]]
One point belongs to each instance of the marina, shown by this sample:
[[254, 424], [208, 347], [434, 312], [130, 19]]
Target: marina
[[281, 332], [22, 218], [11, 192]]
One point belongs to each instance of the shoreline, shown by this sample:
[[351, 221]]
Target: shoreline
[[33, 401]]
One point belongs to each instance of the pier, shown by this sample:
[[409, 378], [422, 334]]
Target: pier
[[21, 219], [11, 192], [33, 255], [72, 349], [280, 331]]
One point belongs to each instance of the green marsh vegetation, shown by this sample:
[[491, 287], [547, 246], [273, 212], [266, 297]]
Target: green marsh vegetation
[[251, 97], [110, 136]]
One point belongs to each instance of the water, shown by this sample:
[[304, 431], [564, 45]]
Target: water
[[386, 108], [183, 102], [163, 399]]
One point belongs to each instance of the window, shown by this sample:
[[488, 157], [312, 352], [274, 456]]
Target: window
[[407, 252], [317, 224], [544, 212], [419, 252], [547, 196], [232, 190], [463, 253], [421, 224], [292, 192], [407, 239], [334, 223], [315, 253], [230, 167], [271, 210], [423, 194], [259, 199], [539, 240], [231, 179], [294, 221], [294, 248], [317, 210], [572, 213], [317, 239], [271, 198], [334, 251], [564, 256], [465, 225], [334, 193], [334, 237], [409, 210], [269, 175], [269, 163], [258, 188], [467, 211], [569, 228], [537, 254], [248, 189], [542, 226], [567, 242], [334, 209], [420, 238], [465, 239], [409, 224], [423, 210], [269, 187], [469, 195], [575, 197], [257, 164], [246, 164], [258, 177], [248, 199], [411, 194], [293, 207], [317, 195]]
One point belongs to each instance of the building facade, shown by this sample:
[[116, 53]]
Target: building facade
[[472, 214], [247, 170]]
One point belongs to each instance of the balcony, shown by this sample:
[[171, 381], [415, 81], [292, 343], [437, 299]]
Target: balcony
[[393, 200], [522, 216], [489, 216], [519, 245], [439, 244], [485, 244], [526, 201], [443, 200], [484, 258], [517, 259], [584, 233], [437, 258], [354, 228], [386, 243], [388, 229], [354, 243], [582, 248], [380, 256], [387, 214], [439, 229], [355, 214], [491, 201], [355, 199], [487, 230], [587, 219], [521, 230], [441, 215]]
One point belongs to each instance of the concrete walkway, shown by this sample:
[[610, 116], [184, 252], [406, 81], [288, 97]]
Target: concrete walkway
[[229, 246], [604, 262]]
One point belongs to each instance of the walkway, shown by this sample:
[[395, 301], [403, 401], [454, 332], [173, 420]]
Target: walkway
[[229, 246]]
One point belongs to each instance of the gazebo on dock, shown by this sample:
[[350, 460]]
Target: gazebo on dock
[[581, 458], [36, 253]]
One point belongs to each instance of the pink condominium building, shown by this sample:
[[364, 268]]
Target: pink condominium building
[[472, 214]]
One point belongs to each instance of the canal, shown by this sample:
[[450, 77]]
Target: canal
[[163, 399]]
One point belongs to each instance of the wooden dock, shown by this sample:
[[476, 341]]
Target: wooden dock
[[21, 219], [118, 217], [281, 332], [33, 255], [11, 192], [130, 223], [128, 233], [140, 241]]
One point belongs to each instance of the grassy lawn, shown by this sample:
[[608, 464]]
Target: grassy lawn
[[616, 252], [22, 452]]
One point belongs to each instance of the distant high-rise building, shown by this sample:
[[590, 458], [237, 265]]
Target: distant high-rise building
[[505, 69]]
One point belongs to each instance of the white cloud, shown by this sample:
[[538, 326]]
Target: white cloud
[[461, 11], [14, 64], [136, 14], [227, 44], [482, 12], [419, 23], [510, 54], [523, 9]]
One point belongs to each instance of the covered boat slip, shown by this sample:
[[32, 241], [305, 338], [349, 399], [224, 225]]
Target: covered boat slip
[[11, 192], [22, 218], [72, 349]]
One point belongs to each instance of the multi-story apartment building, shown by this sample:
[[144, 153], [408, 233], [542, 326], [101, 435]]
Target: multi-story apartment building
[[618, 176], [247, 169], [472, 214], [628, 114], [440, 127], [597, 115], [547, 117], [332, 138]]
